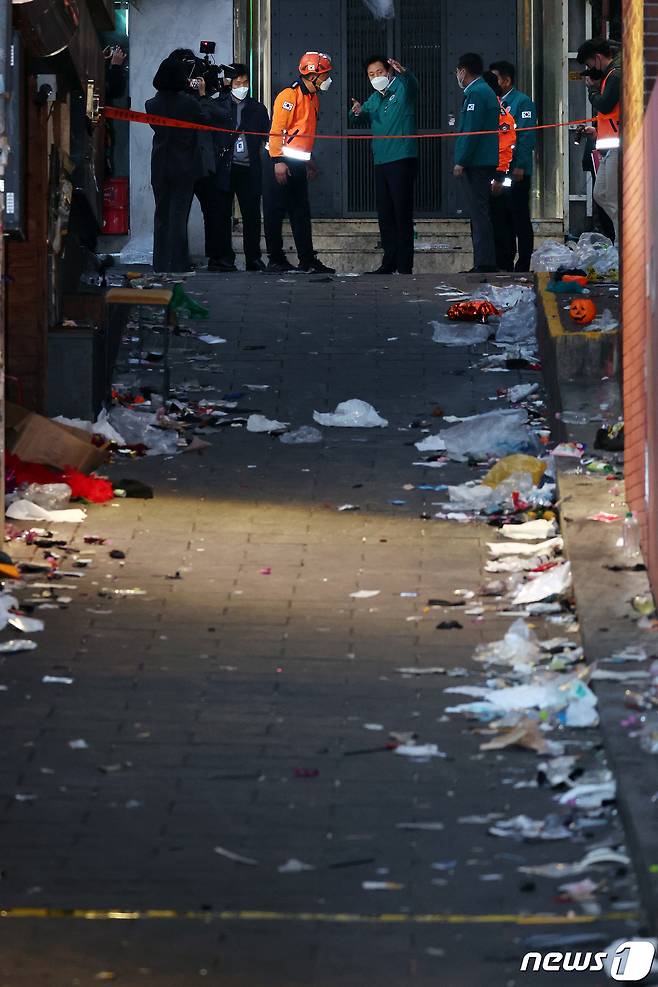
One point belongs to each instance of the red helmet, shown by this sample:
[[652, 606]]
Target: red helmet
[[314, 63]]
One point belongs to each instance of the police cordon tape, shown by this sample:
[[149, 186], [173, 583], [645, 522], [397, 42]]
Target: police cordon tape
[[135, 116]]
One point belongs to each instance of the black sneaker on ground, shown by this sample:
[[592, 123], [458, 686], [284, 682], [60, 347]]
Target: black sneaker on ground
[[220, 266], [280, 266], [315, 266], [256, 265], [382, 270]]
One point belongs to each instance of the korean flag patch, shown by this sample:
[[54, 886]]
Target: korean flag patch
[[471, 106], [526, 115], [288, 106]]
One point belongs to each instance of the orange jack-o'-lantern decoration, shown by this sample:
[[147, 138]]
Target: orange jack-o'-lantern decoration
[[582, 311]]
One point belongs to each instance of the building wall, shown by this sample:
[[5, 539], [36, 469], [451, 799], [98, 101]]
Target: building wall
[[157, 27], [640, 269]]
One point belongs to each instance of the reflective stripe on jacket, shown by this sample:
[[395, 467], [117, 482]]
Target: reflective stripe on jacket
[[294, 123], [607, 124]]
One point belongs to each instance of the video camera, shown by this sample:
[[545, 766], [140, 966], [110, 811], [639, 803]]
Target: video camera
[[211, 71]]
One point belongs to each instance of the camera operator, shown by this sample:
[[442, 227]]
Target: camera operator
[[179, 158]]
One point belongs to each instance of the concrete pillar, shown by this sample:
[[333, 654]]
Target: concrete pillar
[[157, 27]]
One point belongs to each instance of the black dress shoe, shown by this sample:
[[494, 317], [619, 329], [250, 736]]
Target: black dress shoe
[[382, 270], [280, 267], [315, 266], [220, 266], [256, 265]]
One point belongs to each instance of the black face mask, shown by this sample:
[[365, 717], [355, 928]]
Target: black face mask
[[593, 74]]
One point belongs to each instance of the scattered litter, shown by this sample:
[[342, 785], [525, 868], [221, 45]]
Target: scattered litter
[[57, 680], [25, 510], [365, 594], [258, 423], [449, 335], [236, 857], [301, 436], [292, 866], [78, 745], [381, 886], [419, 752], [351, 414]]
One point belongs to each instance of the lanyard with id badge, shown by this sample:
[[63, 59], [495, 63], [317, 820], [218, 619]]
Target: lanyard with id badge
[[240, 145]]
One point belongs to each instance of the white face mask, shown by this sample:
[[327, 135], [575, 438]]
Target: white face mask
[[460, 79], [380, 83], [240, 91], [326, 85]]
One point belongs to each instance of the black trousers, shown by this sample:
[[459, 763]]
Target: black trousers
[[173, 201], [476, 189], [394, 188], [289, 200], [247, 189], [513, 232], [210, 200]]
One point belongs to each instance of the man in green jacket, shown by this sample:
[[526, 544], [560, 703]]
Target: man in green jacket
[[391, 111], [476, 155]]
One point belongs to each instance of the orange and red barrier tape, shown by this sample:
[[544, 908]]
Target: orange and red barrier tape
[[135, 116]]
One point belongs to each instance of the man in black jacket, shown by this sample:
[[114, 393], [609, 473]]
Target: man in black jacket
[[178, 160], [239, 172]]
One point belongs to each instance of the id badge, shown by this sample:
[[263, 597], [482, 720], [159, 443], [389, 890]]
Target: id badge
[[239, 145]]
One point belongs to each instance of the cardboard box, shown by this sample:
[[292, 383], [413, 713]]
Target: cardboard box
[[36, 439]]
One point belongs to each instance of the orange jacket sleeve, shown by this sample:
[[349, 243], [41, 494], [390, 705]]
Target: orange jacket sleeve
[[282, 115]]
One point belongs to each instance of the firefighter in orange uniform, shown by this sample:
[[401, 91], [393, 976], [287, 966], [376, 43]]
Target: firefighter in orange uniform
[[291, 165], [500, 187]]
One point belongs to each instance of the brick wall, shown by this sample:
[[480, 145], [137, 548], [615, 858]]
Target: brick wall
[[639, 219]]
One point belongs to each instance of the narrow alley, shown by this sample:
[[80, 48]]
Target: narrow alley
[[229, 753]]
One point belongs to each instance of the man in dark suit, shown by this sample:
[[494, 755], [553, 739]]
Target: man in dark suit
[[239, 171], [179, 159]]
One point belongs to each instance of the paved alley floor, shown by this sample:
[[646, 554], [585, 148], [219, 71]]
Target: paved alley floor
[[244, 705]]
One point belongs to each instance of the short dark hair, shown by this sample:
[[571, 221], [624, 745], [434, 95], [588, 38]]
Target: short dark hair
[[592, 47], [505, 68], [492, 81], [240, 69], [371, 59], [471, 62]]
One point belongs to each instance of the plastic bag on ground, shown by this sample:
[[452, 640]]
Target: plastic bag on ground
[[597, 253], [101, 426], [604, 322], [520, 645], [554, 582], [351, 414], [137, 429], [493, 433], [52, 496], [432, 443], [517, 463], [472, 497], [518, 324], [548, 547], [550, 255], [521, 392], [466, 335], [259, 423], [24, 510], [306, 434], [507, 295]]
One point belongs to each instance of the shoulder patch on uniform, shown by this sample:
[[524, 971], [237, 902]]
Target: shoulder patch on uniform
[[471, 106], [287, 105], [526, 114]]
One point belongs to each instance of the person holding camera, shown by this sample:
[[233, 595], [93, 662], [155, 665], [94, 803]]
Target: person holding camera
[[179, 158], [239, 170], [604, 87]]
